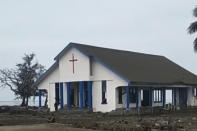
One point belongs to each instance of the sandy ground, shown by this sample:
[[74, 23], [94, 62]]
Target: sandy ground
[[41, 127]]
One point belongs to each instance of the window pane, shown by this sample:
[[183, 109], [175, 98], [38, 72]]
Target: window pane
[[91, 61], [141, 95], [157, 95], [104, 90], [132, 95], [120, 95], [103, 86]]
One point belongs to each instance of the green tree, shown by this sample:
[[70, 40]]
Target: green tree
[[193, 28], [21, 80]]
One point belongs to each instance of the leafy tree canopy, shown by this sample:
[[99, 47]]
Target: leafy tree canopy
[[21, 80]]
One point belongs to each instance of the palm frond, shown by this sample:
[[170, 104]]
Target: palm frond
[[192, 28], [195, 12], [195, 45]]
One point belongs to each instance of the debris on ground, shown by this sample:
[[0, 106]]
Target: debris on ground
[[185, 120]]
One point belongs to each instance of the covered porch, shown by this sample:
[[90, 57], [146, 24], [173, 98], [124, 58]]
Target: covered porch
[[79, 94], [73, 95], [69, 95], [151, 96]]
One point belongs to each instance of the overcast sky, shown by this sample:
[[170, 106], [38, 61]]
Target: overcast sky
[[45, 27]]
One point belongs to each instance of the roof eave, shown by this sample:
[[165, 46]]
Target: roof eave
[[178, 84], [47, 72], [63, 51]]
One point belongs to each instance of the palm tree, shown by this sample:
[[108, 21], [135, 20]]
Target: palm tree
[[193, 28]]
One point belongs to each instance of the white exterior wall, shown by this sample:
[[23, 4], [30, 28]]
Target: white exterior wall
[[113, 81], [81, 67], [64, 73], [51, 97], [191, 99], [52, 78], [155, 104], [49, 84], [65, 94]]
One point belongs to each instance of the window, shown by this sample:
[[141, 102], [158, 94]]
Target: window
[[104, 91], [142, 96], [120, 95], [132, 92], [195, 91], [157, 95]]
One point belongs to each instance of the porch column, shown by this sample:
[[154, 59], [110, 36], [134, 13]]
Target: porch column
[[81, 89], [40, 97], [164, 97], [150, 97], [127, 97], [186, 96], [174, 96], [61, 96], [137, 99], [89, 94], [68, 94]]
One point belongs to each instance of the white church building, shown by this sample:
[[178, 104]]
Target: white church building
[[103, 79]]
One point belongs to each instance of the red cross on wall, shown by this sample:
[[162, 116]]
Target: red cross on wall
[[73, 62]]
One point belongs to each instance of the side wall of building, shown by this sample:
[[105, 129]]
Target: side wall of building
[[100, 72], [191, 99], [49, 84]]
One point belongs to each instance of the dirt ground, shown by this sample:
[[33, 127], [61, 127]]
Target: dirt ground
[[41, 127], [81, 120]]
